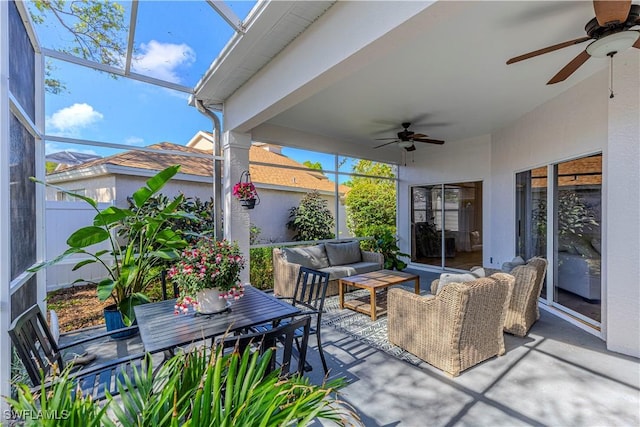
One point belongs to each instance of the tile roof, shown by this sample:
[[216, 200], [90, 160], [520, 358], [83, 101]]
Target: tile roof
[[260, 174]]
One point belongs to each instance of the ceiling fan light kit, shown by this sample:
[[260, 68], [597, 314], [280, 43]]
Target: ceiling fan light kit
[[612, 31], [613, 43], [405, 144]]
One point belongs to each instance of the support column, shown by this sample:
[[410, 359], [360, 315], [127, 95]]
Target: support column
[[236, 219], [622, 244]]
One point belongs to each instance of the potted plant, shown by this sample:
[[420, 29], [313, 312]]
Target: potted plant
[[245, 191], [132, 265], [208, 275], [385, 242]]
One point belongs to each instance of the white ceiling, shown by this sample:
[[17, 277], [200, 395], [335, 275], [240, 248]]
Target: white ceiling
[[452, 81]]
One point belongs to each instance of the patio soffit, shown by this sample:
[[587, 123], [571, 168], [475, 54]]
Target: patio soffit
[[272, 26]]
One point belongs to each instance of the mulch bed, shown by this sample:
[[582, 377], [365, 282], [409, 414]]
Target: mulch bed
[[77, 307]]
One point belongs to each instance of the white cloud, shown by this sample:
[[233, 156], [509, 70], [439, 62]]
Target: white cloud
[[134, 140], [160, 60], [70, 120]]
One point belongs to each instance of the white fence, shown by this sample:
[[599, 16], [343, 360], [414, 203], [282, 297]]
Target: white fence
[[62, 219]]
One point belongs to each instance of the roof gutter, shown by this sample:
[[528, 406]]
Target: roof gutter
[[217, 170]]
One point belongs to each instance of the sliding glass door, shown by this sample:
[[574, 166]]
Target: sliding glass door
[[577, 243], [446, 223], [576, 187], [531, 215]]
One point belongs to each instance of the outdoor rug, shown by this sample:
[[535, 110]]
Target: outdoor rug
[[360, 327]]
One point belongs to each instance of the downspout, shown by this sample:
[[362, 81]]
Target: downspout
[[217, 170]]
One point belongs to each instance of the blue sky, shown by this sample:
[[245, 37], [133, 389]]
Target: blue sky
[[175, 41]]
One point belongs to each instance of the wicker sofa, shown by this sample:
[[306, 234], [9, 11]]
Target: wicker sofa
[[338, 259], [456, 329]]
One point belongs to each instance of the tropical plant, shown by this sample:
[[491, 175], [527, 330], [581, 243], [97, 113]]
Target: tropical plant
[[203, 387], [385, 242], [208, 264], [198, 222], [311, 219], [149, 242], [57, 403], [209, 388]]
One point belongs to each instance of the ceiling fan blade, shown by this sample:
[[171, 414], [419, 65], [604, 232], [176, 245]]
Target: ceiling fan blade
[[385, 139], [430, 141], [570, 68], [411, 148], [547, 49], [637, 44], [418, 135], [611, 12], [386, 143]]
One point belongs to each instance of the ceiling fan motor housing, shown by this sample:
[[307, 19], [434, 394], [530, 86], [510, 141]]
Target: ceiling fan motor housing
[[595, 31]]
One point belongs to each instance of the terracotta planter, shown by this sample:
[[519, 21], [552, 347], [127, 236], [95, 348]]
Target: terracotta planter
[[209, 301]]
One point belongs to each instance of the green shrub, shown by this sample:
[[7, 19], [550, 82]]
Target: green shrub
[[261, 268], [311, 219]]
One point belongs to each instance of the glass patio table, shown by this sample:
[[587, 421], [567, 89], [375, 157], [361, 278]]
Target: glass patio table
[[161, 329]]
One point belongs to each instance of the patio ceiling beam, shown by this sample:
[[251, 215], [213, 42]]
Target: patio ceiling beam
[[228, 15], [117, 71], [132, 34]]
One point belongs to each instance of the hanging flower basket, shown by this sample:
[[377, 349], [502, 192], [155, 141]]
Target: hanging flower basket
[[246, 192], [248, 203]]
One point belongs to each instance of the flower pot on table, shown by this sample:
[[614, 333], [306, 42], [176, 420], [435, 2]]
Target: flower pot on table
[[210, 302]]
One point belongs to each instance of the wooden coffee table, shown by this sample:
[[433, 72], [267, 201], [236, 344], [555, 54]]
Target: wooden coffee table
[[374, 281]]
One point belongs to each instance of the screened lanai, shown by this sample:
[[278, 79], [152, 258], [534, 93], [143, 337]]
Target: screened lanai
[[327, 82]]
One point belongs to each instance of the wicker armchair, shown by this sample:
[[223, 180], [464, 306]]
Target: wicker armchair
[[523, 309], [455, 330]]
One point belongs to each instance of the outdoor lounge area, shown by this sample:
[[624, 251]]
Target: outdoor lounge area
[[432, 205], [541, 379]]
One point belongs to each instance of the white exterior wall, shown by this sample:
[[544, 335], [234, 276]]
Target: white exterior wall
[[622, 200], [100, 188]]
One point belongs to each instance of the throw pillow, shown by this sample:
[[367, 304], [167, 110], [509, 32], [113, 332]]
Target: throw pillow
[[343, 253], [311, 256], [478, 272], [510, 265], [446, 278]]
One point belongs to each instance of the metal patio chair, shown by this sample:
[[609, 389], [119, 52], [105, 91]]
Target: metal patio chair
[[42, 356], [309, 295], [285, 335]]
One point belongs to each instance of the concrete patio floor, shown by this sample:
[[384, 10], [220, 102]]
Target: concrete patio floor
[[559, 375]]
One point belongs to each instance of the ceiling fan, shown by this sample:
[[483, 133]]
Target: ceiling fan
[[406, 138], [610, 31]]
